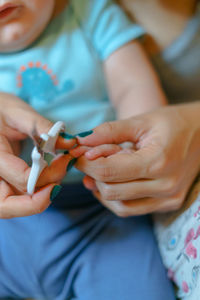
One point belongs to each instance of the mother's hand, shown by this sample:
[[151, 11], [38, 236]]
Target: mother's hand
[[158, 174], [17, 121]]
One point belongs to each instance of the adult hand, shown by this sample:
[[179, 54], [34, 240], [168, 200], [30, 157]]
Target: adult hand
[[157, 174], [17, 120]]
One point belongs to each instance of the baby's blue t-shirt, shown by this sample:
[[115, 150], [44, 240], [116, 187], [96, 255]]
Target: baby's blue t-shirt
[[61, 74]]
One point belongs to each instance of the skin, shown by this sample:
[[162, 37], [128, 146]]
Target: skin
[[17, 120], [156, 174], [172, 17], [138, 88], [29, 21]]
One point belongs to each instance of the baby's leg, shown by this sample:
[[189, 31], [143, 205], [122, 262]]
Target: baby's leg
[[178, 236]]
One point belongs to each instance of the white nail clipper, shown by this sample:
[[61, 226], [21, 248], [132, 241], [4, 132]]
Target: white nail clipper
[[43, 144]]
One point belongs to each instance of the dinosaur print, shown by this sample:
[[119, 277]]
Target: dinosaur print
[[37, 81]]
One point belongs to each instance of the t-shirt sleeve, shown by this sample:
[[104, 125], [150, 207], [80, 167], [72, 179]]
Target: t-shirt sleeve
[[106, 25]]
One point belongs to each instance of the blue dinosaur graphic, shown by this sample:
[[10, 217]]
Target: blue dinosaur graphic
[[37, 84]]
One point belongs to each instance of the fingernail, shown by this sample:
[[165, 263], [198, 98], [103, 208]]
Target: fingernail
[[66, 152], [55, 191], [67, 136], [85, 133], [71, 163]]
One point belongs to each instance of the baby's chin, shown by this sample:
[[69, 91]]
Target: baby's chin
[[15, 38]]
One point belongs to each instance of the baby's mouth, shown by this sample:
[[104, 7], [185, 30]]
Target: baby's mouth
[[7, 12]]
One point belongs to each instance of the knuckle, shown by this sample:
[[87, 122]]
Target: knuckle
[[22, 180], [161, 164], [37, 210], [3, 212], [157, 165], [173, 207], [42, 125], [40, 208], [175, 204], [109, 193], [122, 211], [170, 186], [108, 127], [122, 214], [104, 173], [178, 202]]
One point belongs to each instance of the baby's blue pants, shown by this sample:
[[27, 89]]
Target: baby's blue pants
[[77, 249]]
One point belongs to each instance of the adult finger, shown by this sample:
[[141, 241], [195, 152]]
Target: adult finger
[[107, 192], [121, 167], [19, 116], [12, 205], [135, 189], [140, 206], [14, 170], [56, 171], [116, 132]]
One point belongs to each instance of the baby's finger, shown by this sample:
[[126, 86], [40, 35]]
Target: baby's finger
[[120, 167], [102, 151], [12, 205], [79, 150]]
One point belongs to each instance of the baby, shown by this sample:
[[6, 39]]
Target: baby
[[67, 60]]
